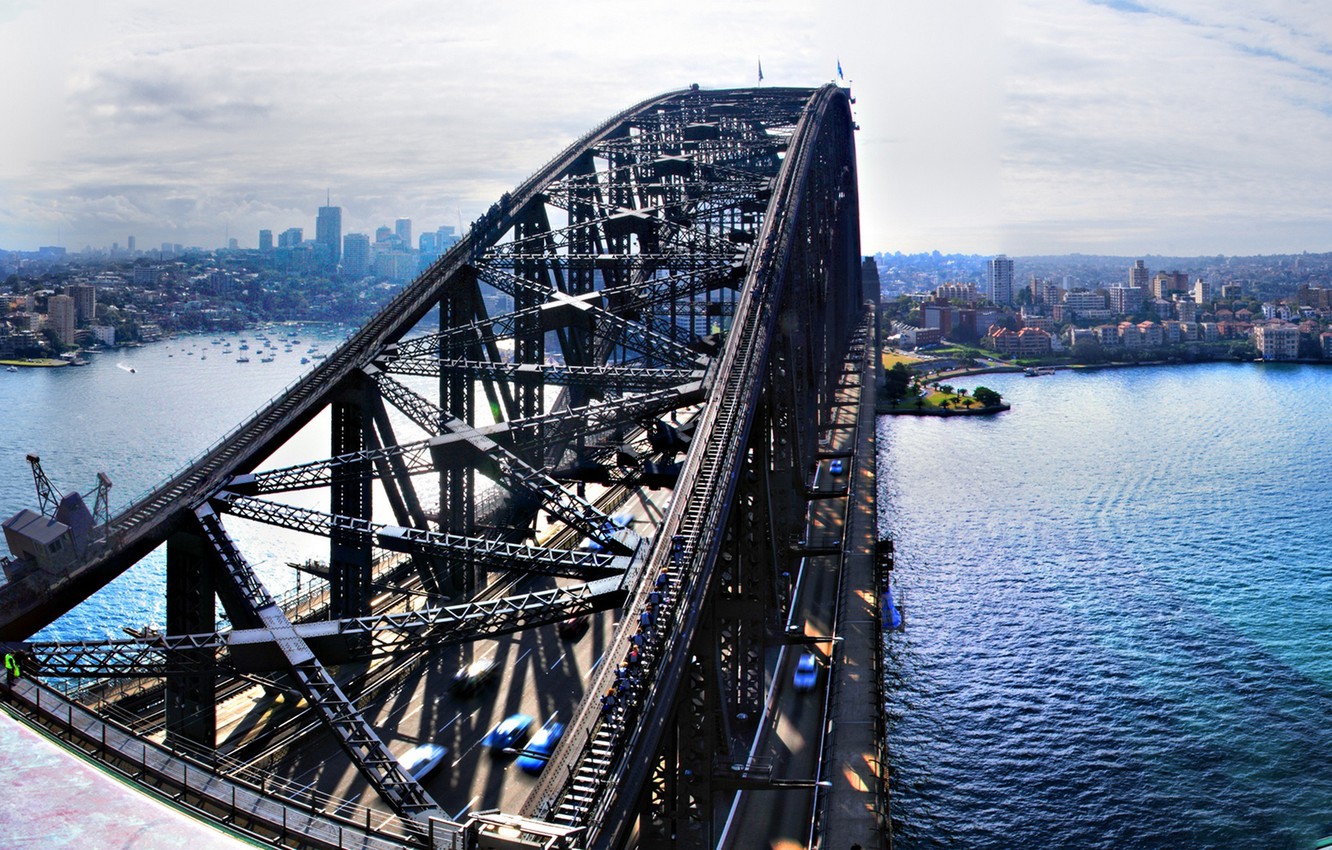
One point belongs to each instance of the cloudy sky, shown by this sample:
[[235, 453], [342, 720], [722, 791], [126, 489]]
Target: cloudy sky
[[1018, 126]]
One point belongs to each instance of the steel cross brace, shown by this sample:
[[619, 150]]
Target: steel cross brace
[[252, 650], [496, 554], [511, 471], [403, 793], [624, 378]]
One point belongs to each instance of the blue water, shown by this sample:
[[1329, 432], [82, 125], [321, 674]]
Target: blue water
[[140, 427], [1117, 601]]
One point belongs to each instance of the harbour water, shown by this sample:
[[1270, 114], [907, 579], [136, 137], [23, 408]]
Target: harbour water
[[1118, 598], [139, 415]]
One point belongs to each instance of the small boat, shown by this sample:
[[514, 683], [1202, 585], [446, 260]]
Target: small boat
[[15, 368], [1030, 372], [242, 359]]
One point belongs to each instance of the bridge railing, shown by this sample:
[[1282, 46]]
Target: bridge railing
[[268, 812]]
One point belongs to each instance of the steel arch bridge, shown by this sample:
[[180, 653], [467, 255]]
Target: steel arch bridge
[[680, 285]]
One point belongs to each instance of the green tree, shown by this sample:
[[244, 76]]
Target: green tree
[[897, 381], [986, 396]]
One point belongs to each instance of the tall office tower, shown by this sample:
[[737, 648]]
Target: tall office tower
[[265, 241], [1001, 280], [328, 235], [85, 301], [382, 235], [403, 228], [60, 317], [1138, 276], [292, 237], [355, 254], [129, 246]]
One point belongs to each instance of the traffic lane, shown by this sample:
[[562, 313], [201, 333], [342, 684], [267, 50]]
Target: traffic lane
[[538, 674]]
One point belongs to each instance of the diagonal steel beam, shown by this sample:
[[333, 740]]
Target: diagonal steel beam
[[495, 554]]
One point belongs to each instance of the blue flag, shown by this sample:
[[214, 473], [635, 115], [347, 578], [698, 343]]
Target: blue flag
[[760, 63], [839, 70]]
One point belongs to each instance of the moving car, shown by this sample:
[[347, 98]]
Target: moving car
[[420, 761], [837, 467], [473, 677], [535, 755], [510, 731], [573, 628], [806, 673]]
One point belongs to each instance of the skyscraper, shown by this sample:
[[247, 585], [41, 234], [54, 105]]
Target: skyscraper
[[328, 235], [266, 241], [403, 228], [1001, 280], [355, 254]]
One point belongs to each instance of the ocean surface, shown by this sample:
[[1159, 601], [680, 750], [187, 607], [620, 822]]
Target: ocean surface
[[1118, 601]]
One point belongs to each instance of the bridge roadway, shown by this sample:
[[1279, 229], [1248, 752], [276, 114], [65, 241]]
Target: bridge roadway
[[539, 673], [796, 744]]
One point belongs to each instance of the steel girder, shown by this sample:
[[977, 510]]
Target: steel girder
[[357, 738], [617, 378], [332, 641], [497, 554]]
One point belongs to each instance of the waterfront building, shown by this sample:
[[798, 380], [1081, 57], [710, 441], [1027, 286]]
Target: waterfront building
[[1001, 280], [328, 235], [1186, 308], [1107, 335], [1277, 341], [85, 301], [1325, 340], [1151, 334], [1189, 332], [1130, 335], [1209, 331], [60, 318]]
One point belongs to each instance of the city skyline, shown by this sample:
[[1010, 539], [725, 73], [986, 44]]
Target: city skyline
[[1027, 127]]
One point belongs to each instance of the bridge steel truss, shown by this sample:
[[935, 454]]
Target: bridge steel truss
[[697, 252]]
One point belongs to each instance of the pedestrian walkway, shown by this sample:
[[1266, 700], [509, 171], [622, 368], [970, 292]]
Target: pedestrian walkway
[[55, 800]]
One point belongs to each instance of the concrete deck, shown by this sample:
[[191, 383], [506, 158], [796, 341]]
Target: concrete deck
[[54, 799]]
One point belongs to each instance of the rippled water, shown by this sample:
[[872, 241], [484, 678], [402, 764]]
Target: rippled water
[[1118, 597]]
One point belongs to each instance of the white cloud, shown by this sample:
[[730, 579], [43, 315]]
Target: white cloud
[[1025, 126]]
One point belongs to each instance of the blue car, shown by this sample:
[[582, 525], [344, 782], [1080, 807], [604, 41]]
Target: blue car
[[535, 755], [510, 731], [420, 761], [837, 467], [806, 673]]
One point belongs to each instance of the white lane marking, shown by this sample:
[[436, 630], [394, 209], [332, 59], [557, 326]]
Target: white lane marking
[[464, 809], [557, 662], [450, 723], [595, 663], [521, 657]]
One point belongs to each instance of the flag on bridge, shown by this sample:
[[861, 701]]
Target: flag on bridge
[[839, 70], [760, 70]]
